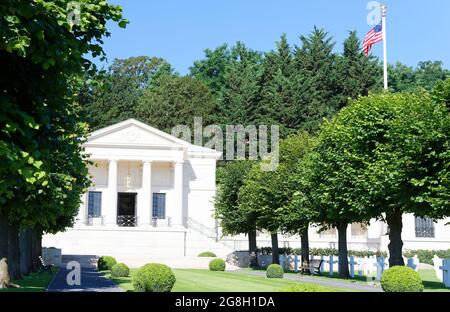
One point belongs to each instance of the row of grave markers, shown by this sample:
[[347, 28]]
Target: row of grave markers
[[368, 266]]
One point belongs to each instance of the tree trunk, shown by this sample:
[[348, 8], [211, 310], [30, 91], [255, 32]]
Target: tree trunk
[[36, 250], [305, 245], [26, 247], [3, 236], [342, 248], [14, 252], [394, 221], [252, 248], [275, 251]]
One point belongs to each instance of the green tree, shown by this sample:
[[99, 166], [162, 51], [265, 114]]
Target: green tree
[[176, 101], [409, 172], [240, 95], [256, 198], [328, 184], [43, 57], [316, 80], [409, 79], [268, 195], [441, 93], [277, 99], [211, 69], [116, 94], [358, 74], [428, 73], [296, 211], [381, 157], [232, 220]]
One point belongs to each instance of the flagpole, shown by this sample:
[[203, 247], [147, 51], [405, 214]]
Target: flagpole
[[383, 12]]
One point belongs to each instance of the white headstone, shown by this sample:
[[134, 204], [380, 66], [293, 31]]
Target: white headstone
[[352, 263], [413, 263], [446, 272], [437, 263], [331, 265]]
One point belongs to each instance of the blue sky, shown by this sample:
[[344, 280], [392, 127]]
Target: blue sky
[[179, 30]]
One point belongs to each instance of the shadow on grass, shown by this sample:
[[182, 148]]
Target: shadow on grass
[[35, 282], [433, 285]]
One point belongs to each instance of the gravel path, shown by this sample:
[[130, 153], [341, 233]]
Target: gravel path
[[320, 281]]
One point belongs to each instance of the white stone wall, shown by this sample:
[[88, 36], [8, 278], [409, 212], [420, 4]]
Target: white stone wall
[[200, 189]]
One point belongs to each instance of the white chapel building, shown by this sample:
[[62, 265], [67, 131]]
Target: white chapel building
[[148, 188], [152, 197]]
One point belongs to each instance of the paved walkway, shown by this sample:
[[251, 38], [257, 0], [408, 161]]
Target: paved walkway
[[91, 280], [320, 281]]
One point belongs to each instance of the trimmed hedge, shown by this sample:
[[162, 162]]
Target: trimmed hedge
[[207, 254], [274, 271], [120, 270], [321, 252], [154, 277], [217, 265], [401, 279], [426, 256], [305, 288], [106, 263]]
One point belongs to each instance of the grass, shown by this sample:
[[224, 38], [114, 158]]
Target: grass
[[35, 282], [431, 282], [191, 280], [429, 279]]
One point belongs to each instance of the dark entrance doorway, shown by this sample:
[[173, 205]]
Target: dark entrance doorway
[[126, 209]]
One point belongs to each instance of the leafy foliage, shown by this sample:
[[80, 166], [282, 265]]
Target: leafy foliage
[[176, 101], [401, 279], [274, 271], [207, 254], [230, 179], [154, 277], [384, 153], [426, 256], [359, 74], [217, 265], [116, 93], [404, 78], [327, 252], [120, 270], [106, 263], [43, 57], [441, 93], [316, 80]]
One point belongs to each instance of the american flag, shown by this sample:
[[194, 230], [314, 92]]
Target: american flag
[[375, 35]]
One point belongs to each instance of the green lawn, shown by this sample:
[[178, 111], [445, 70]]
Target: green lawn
[[430, 281], [189, 280], [34, 282]]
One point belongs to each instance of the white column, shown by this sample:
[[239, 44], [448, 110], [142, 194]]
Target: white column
[[111, 210], [144, 210], [178, 190]]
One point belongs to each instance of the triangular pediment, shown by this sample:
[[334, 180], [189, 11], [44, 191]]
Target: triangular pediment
[[133, 132]]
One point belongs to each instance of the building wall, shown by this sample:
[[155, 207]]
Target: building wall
[[200, 189]]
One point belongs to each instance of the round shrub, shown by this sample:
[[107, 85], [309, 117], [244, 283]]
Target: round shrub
[[207, 254], [120, 270], [305, 288], [274, 271], [217, 265], [401, 279], [106, 263], [154, 277]]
